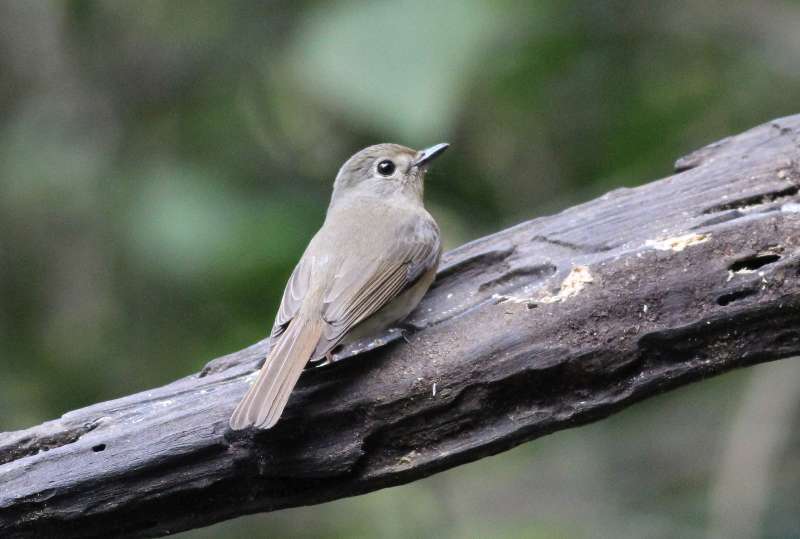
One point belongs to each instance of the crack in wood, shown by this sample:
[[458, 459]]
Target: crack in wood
[[754, 200], [529, 275], [25, 446], [581, 248]]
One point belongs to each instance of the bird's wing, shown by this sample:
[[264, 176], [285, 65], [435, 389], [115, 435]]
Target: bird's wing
[[360, 288], [292, 299]]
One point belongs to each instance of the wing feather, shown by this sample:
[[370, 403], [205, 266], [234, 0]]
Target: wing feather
[[296, 289]]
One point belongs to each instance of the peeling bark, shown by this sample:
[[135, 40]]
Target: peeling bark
[[553, 323]]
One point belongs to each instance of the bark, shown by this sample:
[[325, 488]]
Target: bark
[[550, 324]]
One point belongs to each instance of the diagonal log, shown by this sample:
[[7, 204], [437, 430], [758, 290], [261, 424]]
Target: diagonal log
[[553, 323]]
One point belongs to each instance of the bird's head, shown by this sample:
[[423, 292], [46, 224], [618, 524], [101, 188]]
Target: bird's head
[[385, 170]]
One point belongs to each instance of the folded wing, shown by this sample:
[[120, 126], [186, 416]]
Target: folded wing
[[359, 288]]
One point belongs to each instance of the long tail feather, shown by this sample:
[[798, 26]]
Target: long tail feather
[[264, 402]]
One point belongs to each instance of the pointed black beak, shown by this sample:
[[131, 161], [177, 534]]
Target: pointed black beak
[[429, 154]]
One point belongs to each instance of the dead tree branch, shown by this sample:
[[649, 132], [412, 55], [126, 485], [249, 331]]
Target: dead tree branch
[[555, 322]]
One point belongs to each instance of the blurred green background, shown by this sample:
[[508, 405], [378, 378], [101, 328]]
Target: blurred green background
[[163, 164]]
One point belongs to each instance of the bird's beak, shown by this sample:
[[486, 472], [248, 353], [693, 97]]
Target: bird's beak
[[429, 154]]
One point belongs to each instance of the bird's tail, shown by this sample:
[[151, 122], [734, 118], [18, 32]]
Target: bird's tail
[[263, 404]]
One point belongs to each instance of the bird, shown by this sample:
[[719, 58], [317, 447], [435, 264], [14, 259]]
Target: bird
[[365, 269]]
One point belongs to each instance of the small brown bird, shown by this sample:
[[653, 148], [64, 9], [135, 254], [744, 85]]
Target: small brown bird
[[364, 270]]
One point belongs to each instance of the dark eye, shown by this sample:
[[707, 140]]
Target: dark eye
[[386, 167]]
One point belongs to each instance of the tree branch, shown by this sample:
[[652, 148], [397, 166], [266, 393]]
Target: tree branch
[[555, 322]]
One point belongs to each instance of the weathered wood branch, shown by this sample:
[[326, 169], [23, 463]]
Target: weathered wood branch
[[553, 323]]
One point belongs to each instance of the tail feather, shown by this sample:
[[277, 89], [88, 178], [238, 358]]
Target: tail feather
[[264, 402]]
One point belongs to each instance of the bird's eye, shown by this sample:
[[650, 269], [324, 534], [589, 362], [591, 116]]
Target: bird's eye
[[386, 167]]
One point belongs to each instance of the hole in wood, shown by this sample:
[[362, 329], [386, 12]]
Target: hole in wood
[[99, 447], [726, 299], [755, 262]]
